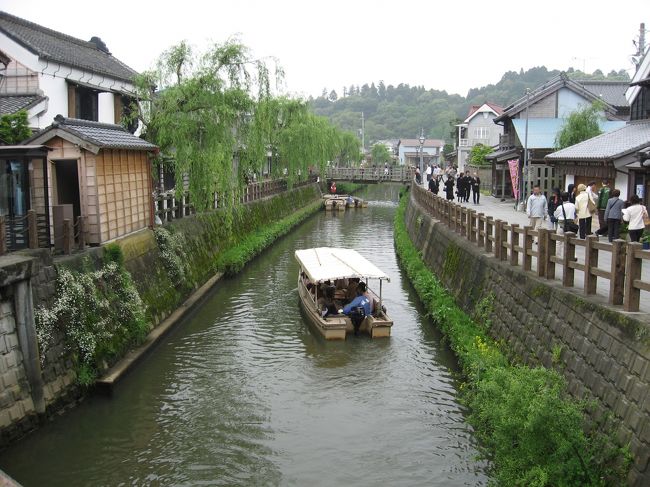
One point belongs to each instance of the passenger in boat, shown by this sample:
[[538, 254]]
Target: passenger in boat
[[352, 289], [329, 305], [359, 308], [350, 200]]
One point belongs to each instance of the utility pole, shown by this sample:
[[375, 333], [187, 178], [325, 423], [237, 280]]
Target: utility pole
[[363, 135], [526, 161]]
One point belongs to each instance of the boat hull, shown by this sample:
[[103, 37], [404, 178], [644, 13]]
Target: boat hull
[[338, 327]]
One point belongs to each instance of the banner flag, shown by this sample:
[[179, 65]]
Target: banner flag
[[513, 164]]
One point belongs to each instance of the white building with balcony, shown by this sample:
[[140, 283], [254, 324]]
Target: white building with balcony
[[478, 128], [408, 151]]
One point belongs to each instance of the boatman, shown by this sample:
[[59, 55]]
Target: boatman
[[359, 308]]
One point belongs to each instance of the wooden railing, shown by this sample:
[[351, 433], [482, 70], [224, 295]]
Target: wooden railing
[[370, 174], [24, 232], [515, 245], [168, 207]]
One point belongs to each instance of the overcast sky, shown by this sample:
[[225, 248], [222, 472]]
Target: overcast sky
[[446, 45]]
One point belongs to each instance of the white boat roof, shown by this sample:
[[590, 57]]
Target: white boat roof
[[330, 263]]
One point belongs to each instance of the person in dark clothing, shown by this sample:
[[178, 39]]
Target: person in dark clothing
[[449, 188], [476, 188], [460, 187], [553, 203], [571, 189], [432, 185], [469, 182], [328, 305]]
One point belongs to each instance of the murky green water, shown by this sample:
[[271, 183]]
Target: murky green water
[[244, 393]]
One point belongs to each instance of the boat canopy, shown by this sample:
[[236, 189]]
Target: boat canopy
[[330, 263]]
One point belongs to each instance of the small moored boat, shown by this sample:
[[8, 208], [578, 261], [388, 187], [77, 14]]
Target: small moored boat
[[340, 269]]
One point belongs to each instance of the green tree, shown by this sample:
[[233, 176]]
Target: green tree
[[581, 125], [14, 128], [380, 154], [478, 153]]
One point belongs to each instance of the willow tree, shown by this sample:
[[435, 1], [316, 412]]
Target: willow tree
[[201, 105], [295, 138], [581, 125]]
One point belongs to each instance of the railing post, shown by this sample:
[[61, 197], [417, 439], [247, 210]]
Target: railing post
[[568, 273], [489, 224], [591, 261], [551, 251], [528, 245], [632, 296], [542, 250], [498, 239], [32, 229], [82, 232], [504, 241], [68, 236], [3, 236], [617, 281], [480, 232], [471, 221], [462, 221], [514, 243]]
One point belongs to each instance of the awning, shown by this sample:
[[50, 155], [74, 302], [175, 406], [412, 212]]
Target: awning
[[327, 263]]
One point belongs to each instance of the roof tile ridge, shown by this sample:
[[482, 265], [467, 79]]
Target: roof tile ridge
[[78, 122], [47, 30]]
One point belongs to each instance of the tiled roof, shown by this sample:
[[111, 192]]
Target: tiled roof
[[416, 142], [612, 92], [630, 138], [12, 103], [101, 135], [61, 48], [497, 109]]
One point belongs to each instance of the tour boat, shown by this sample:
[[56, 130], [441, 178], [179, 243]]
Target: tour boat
[[338, 267], [339, 202]]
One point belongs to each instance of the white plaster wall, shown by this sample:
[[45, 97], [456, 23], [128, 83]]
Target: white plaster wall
[[569, 179], [106, 108], [621, 184], [56, 89]]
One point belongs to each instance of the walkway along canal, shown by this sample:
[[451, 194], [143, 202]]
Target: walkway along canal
[[244, 393]]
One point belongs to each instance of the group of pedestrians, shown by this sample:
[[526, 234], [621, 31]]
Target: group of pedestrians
[[575, 210], [464, 183]]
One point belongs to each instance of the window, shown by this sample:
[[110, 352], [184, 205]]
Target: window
[[82, 102], [481, 133]]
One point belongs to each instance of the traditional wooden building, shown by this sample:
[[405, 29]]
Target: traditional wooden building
[[102, 172], [532, 123]]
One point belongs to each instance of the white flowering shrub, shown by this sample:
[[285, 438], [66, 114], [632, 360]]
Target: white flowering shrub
[[172, 251], [99, 313]]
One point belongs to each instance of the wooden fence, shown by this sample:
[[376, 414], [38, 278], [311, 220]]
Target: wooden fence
[[30, 232], [168, 207], [514, 244]]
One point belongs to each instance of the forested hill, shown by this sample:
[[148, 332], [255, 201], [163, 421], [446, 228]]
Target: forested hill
[[400, 111]]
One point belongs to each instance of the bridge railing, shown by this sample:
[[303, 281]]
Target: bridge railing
[[371, 174], [619, 263]]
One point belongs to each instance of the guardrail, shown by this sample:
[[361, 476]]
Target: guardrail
[[28, 231], [509, 242], [371, 174]]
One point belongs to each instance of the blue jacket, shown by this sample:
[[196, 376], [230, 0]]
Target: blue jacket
[[358, 301]]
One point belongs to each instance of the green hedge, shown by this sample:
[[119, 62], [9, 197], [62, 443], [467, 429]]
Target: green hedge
[[530, 430]]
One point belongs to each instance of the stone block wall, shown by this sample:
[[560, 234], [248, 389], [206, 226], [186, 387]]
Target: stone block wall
[[603, 352]]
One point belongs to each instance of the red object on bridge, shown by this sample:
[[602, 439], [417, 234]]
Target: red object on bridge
[[333, 188]]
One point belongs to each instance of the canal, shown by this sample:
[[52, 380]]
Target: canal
[[244, 393]]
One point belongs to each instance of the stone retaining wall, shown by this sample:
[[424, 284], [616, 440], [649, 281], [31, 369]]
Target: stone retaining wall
[[604, 353]]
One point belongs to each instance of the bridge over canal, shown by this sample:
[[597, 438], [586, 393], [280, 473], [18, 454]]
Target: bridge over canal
[[371, 175]]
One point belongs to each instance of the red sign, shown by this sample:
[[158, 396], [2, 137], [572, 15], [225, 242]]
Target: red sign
[[513, 164]]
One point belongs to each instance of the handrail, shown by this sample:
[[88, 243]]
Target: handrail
[[514, 244]]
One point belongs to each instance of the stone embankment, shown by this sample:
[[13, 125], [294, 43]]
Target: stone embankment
[[603, 353]]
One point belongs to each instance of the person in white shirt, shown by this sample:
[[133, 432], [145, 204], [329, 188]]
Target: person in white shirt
[[634, 214], [564, 208], [583, 202], [536, 208], [428, 172]]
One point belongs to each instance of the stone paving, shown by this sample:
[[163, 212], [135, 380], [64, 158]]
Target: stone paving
[[505, 210]]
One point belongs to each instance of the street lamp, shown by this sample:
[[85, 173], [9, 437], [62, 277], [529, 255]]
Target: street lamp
[[422, 139]]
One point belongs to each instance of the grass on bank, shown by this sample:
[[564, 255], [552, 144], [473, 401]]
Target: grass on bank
[[529, 429]]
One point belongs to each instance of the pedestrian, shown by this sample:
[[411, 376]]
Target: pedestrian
[[601, 203], [536, 208], [592, 191], [418, 178], [428, 172], [449, 189], [635, 214], [614, 215], [432, 185], [469, 181], [564, 213], [571, 189], [476, 189], [554, 202], [584, 207]]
